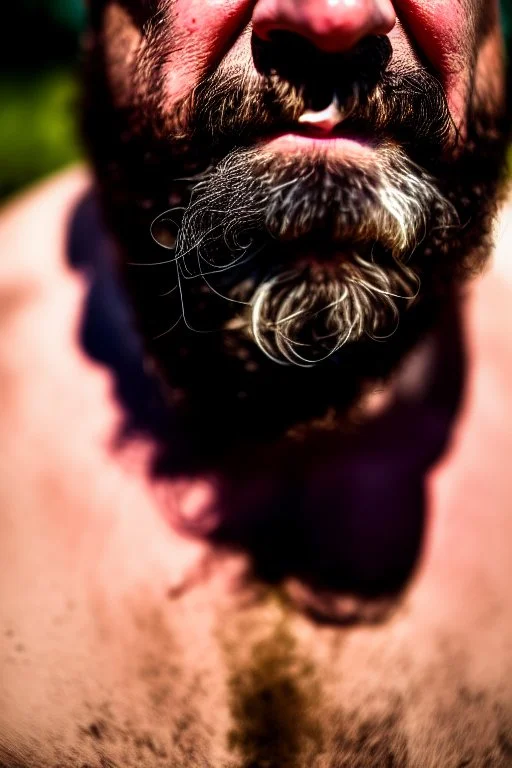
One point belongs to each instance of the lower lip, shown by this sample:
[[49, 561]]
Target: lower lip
[[335, 145]]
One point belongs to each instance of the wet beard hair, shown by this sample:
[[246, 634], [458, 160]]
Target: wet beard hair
[[288, 286]]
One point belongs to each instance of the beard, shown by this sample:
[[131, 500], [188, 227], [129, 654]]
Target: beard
[[314, 254], [273, 290]]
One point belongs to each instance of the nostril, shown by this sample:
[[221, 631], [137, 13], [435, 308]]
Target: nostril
[[293, 59], [322, 78], [289, 56], [290, 46]]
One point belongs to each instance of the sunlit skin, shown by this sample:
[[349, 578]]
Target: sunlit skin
[[126, 643], [442, 31]]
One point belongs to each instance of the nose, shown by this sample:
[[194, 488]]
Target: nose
[[332, 26]]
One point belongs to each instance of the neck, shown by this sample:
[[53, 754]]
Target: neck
[[339, 508]]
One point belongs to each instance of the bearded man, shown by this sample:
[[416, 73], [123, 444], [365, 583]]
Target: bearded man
[[255, 415]]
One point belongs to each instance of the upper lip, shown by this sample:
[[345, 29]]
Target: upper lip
[[321, 124]]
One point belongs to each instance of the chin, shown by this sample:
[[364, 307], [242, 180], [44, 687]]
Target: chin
[[287, 276]]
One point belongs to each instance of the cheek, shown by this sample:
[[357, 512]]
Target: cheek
[[444, 32], [202, 31]]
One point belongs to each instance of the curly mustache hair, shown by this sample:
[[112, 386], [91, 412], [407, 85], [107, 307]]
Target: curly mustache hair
[[370, 221]]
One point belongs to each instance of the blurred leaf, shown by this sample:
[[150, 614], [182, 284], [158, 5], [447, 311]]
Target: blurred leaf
[[37, 127]]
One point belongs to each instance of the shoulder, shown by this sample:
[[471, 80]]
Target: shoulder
[[60, 295], [502, 261], [50, 201], [475, 472], [489, 302], [34, 229]]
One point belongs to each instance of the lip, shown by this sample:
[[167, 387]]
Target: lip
[[329, 144]]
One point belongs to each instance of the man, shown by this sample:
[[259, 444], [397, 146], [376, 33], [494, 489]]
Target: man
[[279, 535]]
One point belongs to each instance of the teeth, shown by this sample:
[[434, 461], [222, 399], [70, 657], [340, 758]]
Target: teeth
[[326, 119]]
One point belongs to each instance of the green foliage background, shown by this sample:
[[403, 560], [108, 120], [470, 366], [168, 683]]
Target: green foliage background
[[39, 91]]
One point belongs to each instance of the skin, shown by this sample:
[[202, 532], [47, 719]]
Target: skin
[[442, 31], [125, 642]]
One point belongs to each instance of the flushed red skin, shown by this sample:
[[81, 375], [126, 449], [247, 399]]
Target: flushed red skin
[[442, 33]]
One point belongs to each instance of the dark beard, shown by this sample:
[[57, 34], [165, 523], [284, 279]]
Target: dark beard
[[225, 389]]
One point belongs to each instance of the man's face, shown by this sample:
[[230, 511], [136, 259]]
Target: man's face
[[297, 187]]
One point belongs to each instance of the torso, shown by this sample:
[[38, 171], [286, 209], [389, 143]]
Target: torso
[[125, 643]]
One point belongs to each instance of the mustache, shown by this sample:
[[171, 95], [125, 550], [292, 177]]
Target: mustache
[[308, 201], [240, 238], [244, 204], [235, 107]]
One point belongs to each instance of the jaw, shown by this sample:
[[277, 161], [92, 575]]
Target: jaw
[[226, 396]]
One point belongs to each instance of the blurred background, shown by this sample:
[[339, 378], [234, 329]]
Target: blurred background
[[39, 88]]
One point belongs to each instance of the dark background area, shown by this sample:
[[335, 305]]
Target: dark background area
[[39, 62]]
